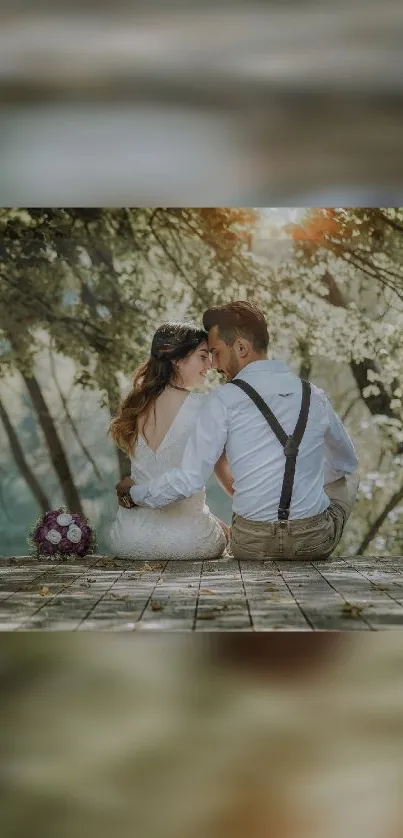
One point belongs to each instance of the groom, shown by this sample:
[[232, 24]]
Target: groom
[[293, 465]]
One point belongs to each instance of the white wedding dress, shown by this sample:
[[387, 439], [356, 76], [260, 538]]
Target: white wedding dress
[[184, 529]]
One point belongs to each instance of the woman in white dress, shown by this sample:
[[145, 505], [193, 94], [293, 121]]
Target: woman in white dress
[[152, 426]]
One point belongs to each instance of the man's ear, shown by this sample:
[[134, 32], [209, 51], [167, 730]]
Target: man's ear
[[243, 347]]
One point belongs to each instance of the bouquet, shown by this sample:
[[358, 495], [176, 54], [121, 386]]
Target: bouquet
[[59, 535]]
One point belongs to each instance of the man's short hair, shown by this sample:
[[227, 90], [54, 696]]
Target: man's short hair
[[239, 319]]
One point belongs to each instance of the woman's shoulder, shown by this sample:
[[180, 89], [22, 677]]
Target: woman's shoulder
[[207, 400], [196, 400]]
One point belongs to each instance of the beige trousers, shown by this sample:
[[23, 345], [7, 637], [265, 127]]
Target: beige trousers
[[306, 538]]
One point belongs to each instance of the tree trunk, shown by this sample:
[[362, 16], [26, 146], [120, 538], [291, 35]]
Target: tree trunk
[[376, 525], [306, 363], [19, 457], [378, 404], [57, 454], [88, 298], [72, 423]]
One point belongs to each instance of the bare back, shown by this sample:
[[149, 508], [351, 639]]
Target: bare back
[[155, 425], [184, 529]]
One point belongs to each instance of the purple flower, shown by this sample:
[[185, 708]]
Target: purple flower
[[47, 522], [41, 533], [64, 545], [47, 547]]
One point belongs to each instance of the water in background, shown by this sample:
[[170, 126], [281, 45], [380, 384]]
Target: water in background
[[99, 503]]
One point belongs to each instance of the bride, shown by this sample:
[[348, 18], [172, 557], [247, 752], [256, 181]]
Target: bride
[[152, 426]]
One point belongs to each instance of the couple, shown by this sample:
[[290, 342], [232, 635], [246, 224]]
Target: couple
[[275, 444]]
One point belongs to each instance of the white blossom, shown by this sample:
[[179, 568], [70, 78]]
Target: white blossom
[[74, 534], [64, 519], [54, 536]]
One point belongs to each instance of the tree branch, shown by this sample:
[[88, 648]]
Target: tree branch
[[174, 261], [71, 422], [375, 527], [349, 408], [390, 222], [21, 462], [377, 404]]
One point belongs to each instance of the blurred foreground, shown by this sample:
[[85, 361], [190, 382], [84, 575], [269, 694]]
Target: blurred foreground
[[252, 104], [273, 737]]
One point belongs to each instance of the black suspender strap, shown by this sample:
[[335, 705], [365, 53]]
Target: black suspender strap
[[290, 443]]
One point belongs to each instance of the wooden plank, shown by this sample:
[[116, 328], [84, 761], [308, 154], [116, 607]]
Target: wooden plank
[[323, 605], [18, 579], [382, 573], [30, 609], [172, 603], [271, 604], [377, 594], [121, 606], [222, 604], [71, 607], [89, 559], [108, 594]]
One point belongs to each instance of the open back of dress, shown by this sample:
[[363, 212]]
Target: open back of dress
[[184, 529]]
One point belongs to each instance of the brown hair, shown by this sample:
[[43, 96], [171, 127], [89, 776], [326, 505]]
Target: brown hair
[[239, 319], [171, 342]]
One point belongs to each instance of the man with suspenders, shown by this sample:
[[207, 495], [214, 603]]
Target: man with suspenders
[[292, 466]]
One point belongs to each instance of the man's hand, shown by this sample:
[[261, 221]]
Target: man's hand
[[125, 483], [123, 493]]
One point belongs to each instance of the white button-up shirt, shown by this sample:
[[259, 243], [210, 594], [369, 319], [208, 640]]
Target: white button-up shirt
[[229, 420]]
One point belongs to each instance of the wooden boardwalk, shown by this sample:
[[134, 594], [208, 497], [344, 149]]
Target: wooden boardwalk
[[105, 594]]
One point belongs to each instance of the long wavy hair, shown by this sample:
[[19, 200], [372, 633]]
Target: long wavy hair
[[171, 342]]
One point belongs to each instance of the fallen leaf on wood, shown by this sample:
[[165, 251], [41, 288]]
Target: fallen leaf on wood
[[44, 590], [153, 567], [207, 591], [351, 610], [156, 606]]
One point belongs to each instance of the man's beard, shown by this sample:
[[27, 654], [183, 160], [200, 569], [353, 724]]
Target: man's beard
[[234, 367], [227, 376]]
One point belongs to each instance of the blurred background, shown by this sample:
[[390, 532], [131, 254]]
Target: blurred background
[[297, 103], [83, 290], [273, 737]]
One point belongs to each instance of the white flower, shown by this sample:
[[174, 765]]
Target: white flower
[[64, 519], [74, 534], [54, 536]]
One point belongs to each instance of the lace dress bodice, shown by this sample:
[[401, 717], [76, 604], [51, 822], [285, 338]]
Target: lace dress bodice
[[184, 529], [147, 464]]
